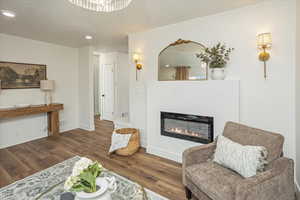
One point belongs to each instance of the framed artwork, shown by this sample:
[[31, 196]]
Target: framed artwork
[[21, 75]]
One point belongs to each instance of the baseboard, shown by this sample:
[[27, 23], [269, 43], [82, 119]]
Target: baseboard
[[68, 128], [23, 141], [86, 127], [162, 153], [144, 143]]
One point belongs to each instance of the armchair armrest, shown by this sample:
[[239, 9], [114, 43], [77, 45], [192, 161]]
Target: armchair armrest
[[196, 155], [277, 182]]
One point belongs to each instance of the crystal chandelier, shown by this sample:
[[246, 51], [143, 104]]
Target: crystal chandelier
[[102, 5]]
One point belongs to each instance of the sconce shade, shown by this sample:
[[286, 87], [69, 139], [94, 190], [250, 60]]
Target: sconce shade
[[47, 85], [264, 40], [136, 57]]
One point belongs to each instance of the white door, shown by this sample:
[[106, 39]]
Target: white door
[[108, 92]]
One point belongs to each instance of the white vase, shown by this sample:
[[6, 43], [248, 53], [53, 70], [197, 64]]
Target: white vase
[[106, 185], [218, 74]]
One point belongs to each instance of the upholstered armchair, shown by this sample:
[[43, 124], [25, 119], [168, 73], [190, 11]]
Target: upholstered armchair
[[207, 180]]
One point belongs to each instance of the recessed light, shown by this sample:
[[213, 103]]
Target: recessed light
[[88, 37], [8, 13]]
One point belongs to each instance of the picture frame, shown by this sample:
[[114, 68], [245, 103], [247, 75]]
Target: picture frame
[[15, 75]]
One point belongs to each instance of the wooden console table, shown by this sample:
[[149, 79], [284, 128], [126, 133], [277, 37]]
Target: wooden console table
[[52, 111]]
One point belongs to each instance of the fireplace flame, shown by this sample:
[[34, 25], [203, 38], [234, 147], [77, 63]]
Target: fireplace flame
[[186, 132]]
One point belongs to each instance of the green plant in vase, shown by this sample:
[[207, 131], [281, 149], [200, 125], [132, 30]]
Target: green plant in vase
[[84, 175], [217, 58]]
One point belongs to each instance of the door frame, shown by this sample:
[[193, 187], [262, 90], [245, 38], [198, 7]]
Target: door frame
[[99, 80], [114, 93]]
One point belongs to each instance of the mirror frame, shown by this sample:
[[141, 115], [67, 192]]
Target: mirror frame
[[179, 42]]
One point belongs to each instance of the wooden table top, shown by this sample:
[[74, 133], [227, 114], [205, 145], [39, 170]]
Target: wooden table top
[[30, 110]]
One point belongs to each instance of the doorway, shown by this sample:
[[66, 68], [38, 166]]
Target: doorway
[[104, 87], [108, 90]]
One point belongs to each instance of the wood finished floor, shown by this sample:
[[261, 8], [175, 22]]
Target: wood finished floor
[[155, 173]]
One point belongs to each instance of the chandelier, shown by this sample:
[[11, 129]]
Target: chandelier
[[102, 5]]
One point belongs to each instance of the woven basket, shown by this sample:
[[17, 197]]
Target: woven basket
[[134, 142]]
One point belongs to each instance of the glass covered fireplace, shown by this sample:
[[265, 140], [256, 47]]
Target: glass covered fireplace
[[188, 127]]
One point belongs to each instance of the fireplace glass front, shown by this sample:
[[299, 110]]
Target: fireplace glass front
[[188, 127]]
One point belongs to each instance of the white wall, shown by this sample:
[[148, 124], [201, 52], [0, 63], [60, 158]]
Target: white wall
[[123, 87], [220, 100], [62, 66], [297, 141], [266, 104], [86, 88]]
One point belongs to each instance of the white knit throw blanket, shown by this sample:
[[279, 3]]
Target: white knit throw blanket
[[119, 141]]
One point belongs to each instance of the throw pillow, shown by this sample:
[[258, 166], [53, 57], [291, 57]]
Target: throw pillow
[[119, 141], [245, 160]]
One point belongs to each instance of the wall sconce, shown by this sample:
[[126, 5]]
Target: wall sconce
[[137, 58], [264, 42]]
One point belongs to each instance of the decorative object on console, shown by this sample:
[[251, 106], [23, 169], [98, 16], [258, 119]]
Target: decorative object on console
[[21, 75], [137, 58], [102, 5], [243, 159], [264, 42], [178, 62], [23, 105], [47, 86], [217, 58], [7, 108]]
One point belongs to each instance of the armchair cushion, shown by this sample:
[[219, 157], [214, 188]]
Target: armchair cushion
[[196, 155], [277, 182], [217, 182]]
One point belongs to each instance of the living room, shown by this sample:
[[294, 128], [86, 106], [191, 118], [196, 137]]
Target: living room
[[111, 78]]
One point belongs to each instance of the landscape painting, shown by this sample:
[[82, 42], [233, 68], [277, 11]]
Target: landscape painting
[[21, 75]]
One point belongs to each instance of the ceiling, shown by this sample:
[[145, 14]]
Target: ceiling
[[60, 22]]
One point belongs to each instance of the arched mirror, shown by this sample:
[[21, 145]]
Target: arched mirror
[[179, 62]]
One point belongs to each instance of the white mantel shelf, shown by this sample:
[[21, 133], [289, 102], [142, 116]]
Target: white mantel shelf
[[215, 98]]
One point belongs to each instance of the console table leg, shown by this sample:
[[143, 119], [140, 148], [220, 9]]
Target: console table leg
[[53, 123]]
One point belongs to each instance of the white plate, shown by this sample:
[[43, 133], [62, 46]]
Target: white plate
[[7, 107], [22, 105], [102, 183]]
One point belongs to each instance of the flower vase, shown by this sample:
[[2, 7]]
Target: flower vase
[[218, 74], [103, 185]]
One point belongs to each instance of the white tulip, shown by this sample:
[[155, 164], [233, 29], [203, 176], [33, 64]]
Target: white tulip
[[70, 182], [81, 165]]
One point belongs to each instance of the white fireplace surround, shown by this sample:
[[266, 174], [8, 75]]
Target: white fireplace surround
[[218, 99]]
